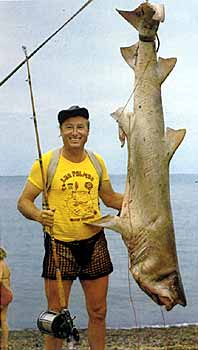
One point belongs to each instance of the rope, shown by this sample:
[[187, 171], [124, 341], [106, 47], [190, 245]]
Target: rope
[[158, 43], [45, 42]]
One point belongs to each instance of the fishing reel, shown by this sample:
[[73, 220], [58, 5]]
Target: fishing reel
[[59, 325]]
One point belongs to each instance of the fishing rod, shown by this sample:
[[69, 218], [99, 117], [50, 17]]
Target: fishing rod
[[45, 194], [60, 324], [45, 199], [44, 42]]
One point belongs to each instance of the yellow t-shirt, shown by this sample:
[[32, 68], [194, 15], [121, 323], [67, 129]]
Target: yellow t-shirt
[[74, 195]]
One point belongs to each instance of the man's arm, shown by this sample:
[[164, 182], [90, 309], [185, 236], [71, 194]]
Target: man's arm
[[109, 197], [1, 269], [27, 207]]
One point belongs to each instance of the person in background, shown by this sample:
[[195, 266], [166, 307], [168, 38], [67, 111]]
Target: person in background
[[6, 296], [74, 199]]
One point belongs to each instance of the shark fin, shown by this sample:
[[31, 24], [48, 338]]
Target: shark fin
[[130, 54], [122, 136], [165, 66], [122, 117], [110, 222], [174, 139]]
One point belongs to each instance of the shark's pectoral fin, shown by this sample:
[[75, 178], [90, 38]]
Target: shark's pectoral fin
[[122, 136], [123, 119], [173, 139], [165, 66], [130, 54], [110, 222]]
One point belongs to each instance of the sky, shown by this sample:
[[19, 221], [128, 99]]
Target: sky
[[82, 65]]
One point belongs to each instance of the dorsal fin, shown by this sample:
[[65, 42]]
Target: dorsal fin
[[174, 139], [130, 54], [165, 66]]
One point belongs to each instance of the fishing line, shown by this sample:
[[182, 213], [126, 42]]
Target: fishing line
[[130, 217], [138, 82], [130, 189], [133, 308], [45, 42], [164, 324]]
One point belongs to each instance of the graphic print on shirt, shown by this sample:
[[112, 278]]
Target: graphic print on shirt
[[80, 202]]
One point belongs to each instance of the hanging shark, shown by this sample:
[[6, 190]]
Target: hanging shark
[[146, 222]]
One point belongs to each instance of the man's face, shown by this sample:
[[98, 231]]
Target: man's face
[[74, 132]]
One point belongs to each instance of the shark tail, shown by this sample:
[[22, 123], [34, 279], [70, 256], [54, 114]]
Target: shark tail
[[154, 12], [135, 17]]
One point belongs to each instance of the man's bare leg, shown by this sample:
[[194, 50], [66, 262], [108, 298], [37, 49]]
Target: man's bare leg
[[95, 295], [51, 290]]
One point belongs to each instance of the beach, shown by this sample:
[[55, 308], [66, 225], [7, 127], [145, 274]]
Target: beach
[[165, 338]]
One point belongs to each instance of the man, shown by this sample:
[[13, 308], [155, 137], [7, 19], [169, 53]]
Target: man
[[73, 199]]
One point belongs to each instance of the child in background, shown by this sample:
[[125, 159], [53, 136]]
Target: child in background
[[6, 296]]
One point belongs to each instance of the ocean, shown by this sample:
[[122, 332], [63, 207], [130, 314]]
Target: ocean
[[23, 240]]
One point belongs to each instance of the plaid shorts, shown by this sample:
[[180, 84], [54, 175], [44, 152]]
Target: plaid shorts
[[72, 258]]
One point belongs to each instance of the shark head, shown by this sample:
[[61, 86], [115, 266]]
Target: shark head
[[167, 291], [171, 291]]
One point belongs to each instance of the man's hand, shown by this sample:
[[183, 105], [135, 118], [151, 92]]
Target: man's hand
[[47, 217]]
